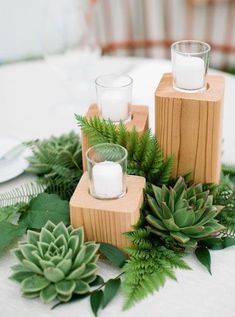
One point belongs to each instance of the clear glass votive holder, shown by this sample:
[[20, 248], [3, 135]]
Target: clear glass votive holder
[[107, 167], [114, 95], [190, 61]]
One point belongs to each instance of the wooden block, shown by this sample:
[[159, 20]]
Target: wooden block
[[139, 119], [107, 220], [189, 126]]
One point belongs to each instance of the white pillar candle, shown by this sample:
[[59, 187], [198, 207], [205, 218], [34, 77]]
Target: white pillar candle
[[114, 105], [107, 179], [189, 72]]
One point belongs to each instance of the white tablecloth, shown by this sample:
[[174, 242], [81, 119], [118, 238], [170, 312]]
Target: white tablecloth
[[27, 95]]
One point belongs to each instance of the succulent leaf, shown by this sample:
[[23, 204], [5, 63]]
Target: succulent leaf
[[182, 215], [55, 263], [48, 294], [34, 283]]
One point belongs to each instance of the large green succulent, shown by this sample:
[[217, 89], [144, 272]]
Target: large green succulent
[[181, 216], [55, 263]]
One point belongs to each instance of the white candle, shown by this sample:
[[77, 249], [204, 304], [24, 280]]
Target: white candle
[[107, 179], [189, 72], [114, 105]]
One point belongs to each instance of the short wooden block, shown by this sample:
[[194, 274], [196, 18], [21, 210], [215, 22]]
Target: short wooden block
[[139, 119], [189, 126], [107, 220]]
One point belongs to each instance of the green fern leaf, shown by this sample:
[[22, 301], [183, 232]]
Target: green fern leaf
[[144, 154]]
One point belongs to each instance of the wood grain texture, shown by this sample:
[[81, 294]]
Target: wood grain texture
[[189, 126], [107, 220], [139, 119]]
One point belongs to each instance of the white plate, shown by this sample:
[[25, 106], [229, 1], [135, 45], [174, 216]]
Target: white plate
[[13, 167]]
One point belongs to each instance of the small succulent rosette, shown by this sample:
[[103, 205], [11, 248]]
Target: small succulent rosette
[[182, 216], [55, 263]]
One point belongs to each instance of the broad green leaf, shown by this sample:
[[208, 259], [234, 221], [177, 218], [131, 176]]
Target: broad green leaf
[[110, 290], [203, 256], [95, 301], [9, 233], [228, 242], [97, 281], [212, 243], [113, 254], [34, 283], [218, 243], [46, 207]]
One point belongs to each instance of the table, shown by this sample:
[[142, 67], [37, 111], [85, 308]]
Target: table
[[28, 91]]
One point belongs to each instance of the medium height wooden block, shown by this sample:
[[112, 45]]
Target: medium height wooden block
[[107, 220], [189, 126], [139, 119]]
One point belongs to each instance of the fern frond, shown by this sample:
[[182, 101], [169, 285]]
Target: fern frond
[[144, 154], [21, 194], [148, 267]]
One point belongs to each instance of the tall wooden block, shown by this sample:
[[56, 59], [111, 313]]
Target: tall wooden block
[[107, 220], [139, 119], [189, 126]]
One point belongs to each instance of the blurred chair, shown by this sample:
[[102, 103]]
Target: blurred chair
[[147, 28]]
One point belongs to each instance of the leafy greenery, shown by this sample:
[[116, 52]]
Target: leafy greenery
[[149, 266], [224, 194], [218, 243], [9, 233], [203, 255], [144, 154], [55, 263], [16, 219], [100, 297], [115, 256], [43, 208], [182, 215], [57, 162], [20, 195]]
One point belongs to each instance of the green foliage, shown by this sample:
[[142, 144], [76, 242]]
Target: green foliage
[[55, 263], [148, 267], [14, 220], [20, 195], [43, 208], [9, 233], [224, 194], [182, 215], [115, 256], [203, 255], [218, 243], [144, 154], [57, 162]]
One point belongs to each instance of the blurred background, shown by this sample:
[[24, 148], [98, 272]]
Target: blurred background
[[31, 29]]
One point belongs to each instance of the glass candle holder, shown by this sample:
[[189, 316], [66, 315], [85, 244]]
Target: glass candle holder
[[107, 166], [190, 61], [114, 93]]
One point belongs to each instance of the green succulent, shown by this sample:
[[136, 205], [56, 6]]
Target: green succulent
[[181, 216], [55, 263]]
